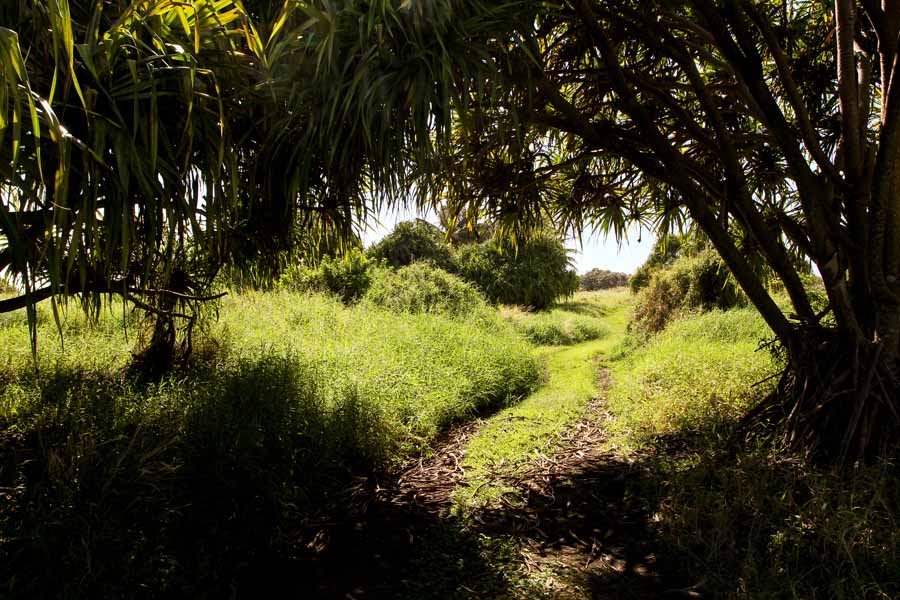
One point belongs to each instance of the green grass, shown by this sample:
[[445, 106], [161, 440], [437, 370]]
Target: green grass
[[698, 373], [185, 484], [751, 521], [510, 439], [580, 319], [425, 371]]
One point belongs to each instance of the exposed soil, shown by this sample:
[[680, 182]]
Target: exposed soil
[[572, 526]]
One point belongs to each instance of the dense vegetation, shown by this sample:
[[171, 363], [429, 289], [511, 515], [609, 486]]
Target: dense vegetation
[[154, 153], [744, 520], [601, 279], [692, 283], [534, 272], [188, 485]]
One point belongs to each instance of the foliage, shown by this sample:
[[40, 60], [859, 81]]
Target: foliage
[[698, 373], [535, 273], [310, 241], [666, 249], [412, 241], [423, 288], [348, 277], [196, 484], [601, 279], [697, 283], [744, 522], [130, 131]]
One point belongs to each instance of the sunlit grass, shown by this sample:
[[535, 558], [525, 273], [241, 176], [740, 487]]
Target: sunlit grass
[[579, 319], [510, 439], [108, 482], [699, 372]]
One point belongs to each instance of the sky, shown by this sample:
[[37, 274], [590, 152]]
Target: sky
[[595, 252]]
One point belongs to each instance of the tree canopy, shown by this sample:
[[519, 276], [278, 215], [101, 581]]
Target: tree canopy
[[140, 136]]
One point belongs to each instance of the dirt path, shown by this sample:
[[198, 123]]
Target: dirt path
[[572, 526]]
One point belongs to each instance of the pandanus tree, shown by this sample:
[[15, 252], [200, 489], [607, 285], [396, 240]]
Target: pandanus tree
[[145, 144], [140, 136], [773, 126]]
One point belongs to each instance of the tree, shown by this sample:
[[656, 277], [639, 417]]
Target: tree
[[141, 141], [601, 279], [773, 126]]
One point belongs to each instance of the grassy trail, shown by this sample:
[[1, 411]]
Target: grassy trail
[[509, 441], [526, 503]]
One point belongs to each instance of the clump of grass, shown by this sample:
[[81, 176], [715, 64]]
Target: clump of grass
[[192, 484], [698, 373], [555, 328], [581, 319], [762, 524], [421, 287]]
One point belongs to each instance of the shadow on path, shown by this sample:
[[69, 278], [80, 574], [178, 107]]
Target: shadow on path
[[575, 525]]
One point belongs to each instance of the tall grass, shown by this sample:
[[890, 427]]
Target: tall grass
[[749, 520], [582, 318], [697, 374], [189, 485]]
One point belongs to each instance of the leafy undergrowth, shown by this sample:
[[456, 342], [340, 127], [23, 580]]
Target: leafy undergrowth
[[191, 486], [584, 317], [744, 520], [510, 439], [698, 374]]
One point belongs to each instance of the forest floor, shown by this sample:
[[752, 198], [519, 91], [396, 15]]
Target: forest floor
[[515, 505]]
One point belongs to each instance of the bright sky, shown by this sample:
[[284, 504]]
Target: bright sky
[[596, 252]]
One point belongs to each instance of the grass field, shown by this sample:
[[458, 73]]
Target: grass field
[[194, 485], [110, 483]]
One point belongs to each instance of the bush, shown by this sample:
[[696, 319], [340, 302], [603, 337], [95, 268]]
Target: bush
[[536, 274], [601, 279], [666, 251], [697, 283], [347, 277], [423, 288], [413, 241]]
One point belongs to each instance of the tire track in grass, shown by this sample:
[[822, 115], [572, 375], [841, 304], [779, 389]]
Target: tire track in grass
[[539, 476], [524, 504], [508, 442]]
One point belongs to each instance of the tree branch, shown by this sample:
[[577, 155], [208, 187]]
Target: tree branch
[[793, 93], [693, 197]]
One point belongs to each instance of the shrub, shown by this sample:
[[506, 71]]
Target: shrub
[[347, 277], [697, 283], [601, 279], [412, 241], [423, 288], [536, 273], [666, 251]]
